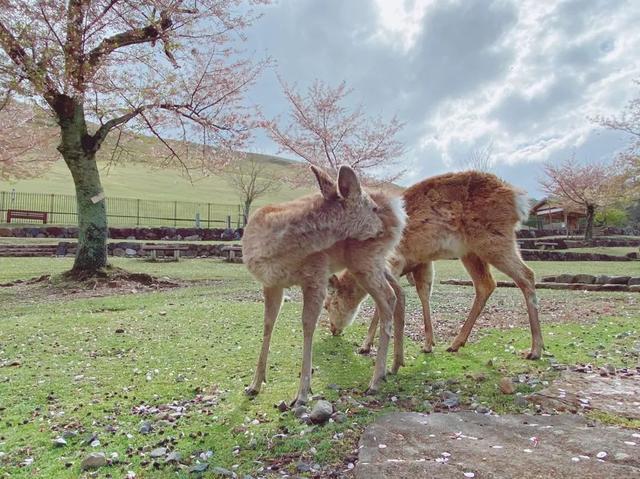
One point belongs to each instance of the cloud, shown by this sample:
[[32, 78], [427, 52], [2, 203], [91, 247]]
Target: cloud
[[525, 76]]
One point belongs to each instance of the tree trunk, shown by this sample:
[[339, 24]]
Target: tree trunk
[[588, 232], [79, 155], [247, 209]]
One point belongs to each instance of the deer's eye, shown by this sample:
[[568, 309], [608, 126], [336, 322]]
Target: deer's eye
[[375, 209]]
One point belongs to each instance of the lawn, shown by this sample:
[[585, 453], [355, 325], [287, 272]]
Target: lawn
[[174, 347]]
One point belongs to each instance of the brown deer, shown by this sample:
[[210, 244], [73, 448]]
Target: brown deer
[[470, 215], [302, 242]]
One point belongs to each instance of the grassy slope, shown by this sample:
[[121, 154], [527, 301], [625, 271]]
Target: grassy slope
[[137, 180], [74, 368]]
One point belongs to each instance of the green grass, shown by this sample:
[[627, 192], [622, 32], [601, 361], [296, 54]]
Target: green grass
[[612, 250], [75, 370]]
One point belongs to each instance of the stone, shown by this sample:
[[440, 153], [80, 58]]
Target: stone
[[145, 427], [222, 472], [130, 252], [490, 446], [339, 417], [633, 281], [158, 452], [584, 279], [634, 288], [321, 412], [506, 386], [94, 460], [59, 441], [619, 279], [548, 279], [300, 411], [197, 468], [602, 279], [482, 409], [282, 406], [303, 467], [174, 456], [450, 399], [192, 238], [573, 391], [564, 278]]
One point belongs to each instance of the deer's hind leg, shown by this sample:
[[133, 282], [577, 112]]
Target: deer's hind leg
[[423, 280], [484, 285], [272, 303]]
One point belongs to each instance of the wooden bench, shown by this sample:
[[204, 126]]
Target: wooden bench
[[232, 253], [153, 250], [27, 215]]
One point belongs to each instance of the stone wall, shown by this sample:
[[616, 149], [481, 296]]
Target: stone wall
[[153, 234]]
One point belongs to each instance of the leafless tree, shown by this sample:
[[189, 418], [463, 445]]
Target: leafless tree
[[251, 179]]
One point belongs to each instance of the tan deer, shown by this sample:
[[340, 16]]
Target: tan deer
[[470, 215], [302, 242]]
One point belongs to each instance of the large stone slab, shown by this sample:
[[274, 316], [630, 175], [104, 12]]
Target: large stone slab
[[617, 394], [413, 445]]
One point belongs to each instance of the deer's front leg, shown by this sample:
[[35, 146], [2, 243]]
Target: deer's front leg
[[312, 297], [272, 303]]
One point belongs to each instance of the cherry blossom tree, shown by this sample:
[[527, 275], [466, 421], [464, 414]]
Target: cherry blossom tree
[[591, 186], [629, 160], [22, 133], [325, 132], [171, 68]]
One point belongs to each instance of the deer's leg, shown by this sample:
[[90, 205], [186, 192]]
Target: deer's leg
[[484, 285], [371, 334], [510, 263], [312, 297], [272, 303], [375, 283], [423, 280], [398, 324]]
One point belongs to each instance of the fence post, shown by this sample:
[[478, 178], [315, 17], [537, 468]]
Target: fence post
[[138, 213], [208, 215], [229, 222], [2, 203], [175, 213], [51, 208]]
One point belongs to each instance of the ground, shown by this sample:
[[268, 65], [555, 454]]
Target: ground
[[102, 361]]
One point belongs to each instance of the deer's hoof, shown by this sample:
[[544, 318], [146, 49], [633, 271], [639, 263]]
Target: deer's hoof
[[364, 350]]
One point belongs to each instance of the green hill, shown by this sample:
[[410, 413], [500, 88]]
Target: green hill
[[135, 179]]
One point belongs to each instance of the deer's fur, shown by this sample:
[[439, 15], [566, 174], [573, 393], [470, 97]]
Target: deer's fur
[[470, 215], [302, 242]]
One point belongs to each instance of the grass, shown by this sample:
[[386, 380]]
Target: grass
[[140, 180], [77, 372], [612, 250]]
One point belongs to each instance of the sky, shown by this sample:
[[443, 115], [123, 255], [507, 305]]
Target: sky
[[525, 78]]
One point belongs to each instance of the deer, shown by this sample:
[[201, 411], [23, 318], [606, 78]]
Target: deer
[[468, 215], [301, 242]]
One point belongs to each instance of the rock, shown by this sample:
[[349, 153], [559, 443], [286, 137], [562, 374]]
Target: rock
[[427, 406], [300, 411], [94, 461], [482, 409], [339, 417], [282, 406], [450, 399], [584, 278], [602, 279], [174, 456], [59, 441], [549, 279], [635, 288], [130, 252], [145, 427], [489, 445], [118, 252], [158, 452], [607, 369], [321, 412], [221, 471], [197, 468], [521, 401], [619, 279], [302, 467], [119, 331], [564, 278], [506, 386], [633, 281]]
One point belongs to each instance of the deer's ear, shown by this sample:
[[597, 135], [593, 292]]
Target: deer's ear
[[325, 182], [348, 183], [334, 282]]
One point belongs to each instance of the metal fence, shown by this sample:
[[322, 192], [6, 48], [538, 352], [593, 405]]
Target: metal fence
[[63, 210]]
